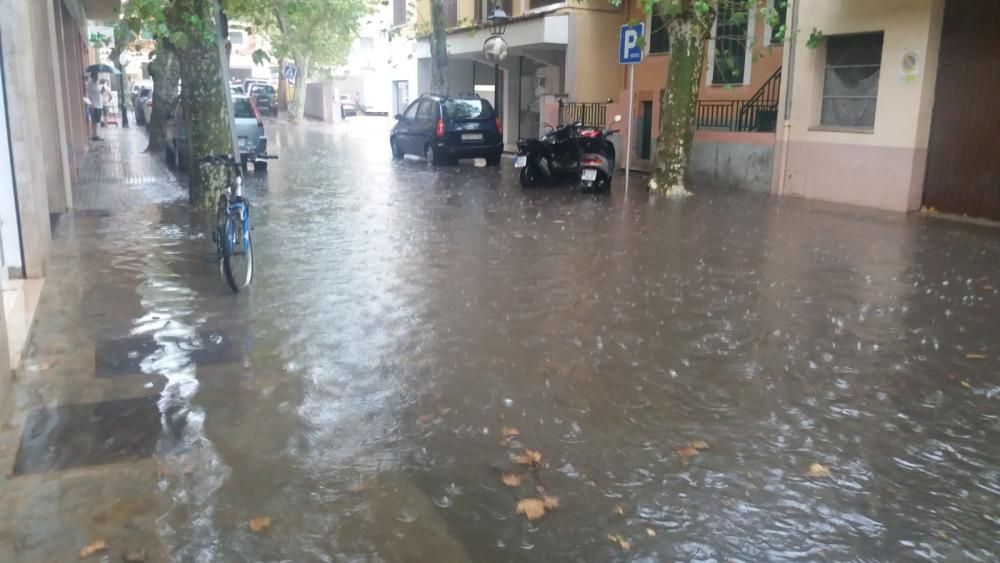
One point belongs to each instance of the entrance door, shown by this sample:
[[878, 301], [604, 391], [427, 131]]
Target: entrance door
[[963, 163], [10, 231]]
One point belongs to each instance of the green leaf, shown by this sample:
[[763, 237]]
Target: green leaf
[[180, 39]]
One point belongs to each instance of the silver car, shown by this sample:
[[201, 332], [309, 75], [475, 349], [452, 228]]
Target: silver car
[[249, 131]]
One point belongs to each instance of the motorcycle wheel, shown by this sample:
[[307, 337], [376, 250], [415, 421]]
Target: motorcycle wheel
[[529, 176]]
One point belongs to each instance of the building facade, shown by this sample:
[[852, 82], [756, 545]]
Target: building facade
[[891, 110], [43, 135]]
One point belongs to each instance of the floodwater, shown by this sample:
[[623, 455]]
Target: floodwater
[[401, 317]]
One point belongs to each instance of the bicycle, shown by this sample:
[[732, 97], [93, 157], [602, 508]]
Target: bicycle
[[234, 247]]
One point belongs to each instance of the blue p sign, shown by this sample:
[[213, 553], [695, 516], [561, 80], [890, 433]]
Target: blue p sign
[[629, 49]]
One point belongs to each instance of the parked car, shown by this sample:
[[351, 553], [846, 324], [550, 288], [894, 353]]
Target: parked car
[[347, 106], [249, 133], [444, 129], [265, 97], [249, 82], [142, 104]]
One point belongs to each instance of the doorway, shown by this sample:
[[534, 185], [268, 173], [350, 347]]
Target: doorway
[[11, 250], [963, 171]]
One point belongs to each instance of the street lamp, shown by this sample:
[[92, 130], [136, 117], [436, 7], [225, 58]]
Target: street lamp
[[495, 49]]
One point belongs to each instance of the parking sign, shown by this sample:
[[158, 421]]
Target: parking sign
[[629, 44]]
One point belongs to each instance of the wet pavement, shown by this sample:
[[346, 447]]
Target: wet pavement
[[402, 317]]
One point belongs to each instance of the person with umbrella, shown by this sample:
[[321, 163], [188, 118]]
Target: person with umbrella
[[95, 97]]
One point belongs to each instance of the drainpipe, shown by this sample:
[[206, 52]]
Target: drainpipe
[[787, 122]]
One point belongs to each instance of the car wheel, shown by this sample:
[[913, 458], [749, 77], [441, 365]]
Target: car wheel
[[494, 160], [260, 166], [396, 153]]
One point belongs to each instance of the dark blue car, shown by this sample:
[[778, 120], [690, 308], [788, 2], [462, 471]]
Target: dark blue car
[[444, 129]]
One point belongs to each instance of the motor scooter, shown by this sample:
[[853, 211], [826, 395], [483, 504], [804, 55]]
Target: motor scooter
[[597, 157], [551, 158]]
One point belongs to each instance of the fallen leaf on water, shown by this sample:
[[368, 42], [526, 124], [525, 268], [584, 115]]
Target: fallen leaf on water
[[622, 542], [686, 451], [424, 419], [512, 479], [974, 356], [619, 509], [529, 457], [94, 547], [699, 444], [650, 532], [966, 384], [988, 287], [259, 523], [550, 503], [941, 534], [533, 508], [135, 556], [818, 471]]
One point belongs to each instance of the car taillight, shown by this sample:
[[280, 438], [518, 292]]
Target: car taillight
[[439, 130], [499, 127], [590, 133]]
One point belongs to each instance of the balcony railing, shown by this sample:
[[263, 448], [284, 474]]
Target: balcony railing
[[592, 114], [757, 114]]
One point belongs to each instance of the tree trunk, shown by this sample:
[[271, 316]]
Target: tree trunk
[[282, 86], [205, 100], [439, 49], [298, 106], [678, 114], [166, 74]]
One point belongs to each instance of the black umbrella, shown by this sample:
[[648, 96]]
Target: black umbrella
[[102, 68]]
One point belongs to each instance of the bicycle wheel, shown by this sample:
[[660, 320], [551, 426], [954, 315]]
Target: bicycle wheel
[[237, 256]]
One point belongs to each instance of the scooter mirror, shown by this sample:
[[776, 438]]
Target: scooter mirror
[[617, 118]]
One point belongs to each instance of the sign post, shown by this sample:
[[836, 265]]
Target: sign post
[[630, 53]]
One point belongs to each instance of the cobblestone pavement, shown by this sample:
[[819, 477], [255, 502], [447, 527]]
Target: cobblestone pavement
[[728, 377]]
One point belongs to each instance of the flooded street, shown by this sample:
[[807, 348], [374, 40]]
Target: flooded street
[[687, 370]]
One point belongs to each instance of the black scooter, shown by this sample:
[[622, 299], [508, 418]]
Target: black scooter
[[597, 158], [552, 158]]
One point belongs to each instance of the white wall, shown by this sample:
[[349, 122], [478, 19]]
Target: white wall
[[9, 235]]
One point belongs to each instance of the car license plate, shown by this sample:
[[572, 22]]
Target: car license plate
[[588, 175], [520, 161], [472, 136]]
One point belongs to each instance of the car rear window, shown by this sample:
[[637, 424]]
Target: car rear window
[[242, 108], [263, 90], [144, 92], [467, 109]]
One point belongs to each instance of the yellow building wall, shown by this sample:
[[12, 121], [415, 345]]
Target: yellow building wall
[[597, 74]]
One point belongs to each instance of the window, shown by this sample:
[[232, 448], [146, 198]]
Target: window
[[775, 33], [535, 4], [732, 28], [850, 81], [242, 108], [467, 109], [411, 112], [235, 37], [428, 110], [450, 13], [659, 39], [398, 12]]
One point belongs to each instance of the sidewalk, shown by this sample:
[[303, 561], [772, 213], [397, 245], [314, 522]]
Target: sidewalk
[[68, 475]]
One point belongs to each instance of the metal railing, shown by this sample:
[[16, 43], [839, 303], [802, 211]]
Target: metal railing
[[592, 114], [757, 114]]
